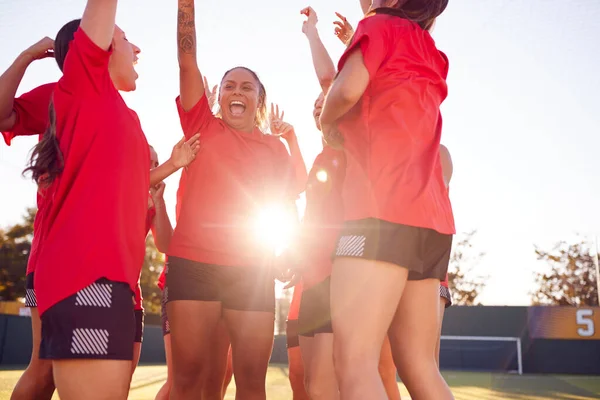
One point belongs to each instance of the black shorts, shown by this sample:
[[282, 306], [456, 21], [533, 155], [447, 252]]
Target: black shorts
[[139, 326], [445, 294], [237, 288], [291, 333], [166, 329], [98, 323], [424, 252], [315, 310], [30, 298]]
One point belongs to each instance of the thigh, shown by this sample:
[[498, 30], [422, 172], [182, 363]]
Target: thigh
[[364, 298], [247, 289], [92, 379], [36, 332]]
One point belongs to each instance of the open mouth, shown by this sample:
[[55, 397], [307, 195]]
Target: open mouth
[[237, 107]]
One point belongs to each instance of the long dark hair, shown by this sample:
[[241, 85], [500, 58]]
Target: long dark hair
[[423, 12], [46, 161]]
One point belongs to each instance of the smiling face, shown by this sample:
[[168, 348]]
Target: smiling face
[[122, 61], [240, 98]]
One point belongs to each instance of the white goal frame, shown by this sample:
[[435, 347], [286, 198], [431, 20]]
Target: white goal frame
[[517, 340]]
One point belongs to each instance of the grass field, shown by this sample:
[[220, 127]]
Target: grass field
[[465, 385]]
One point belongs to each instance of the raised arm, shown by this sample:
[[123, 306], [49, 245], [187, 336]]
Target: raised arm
[[162, 230], [98, 21], [322, 62], [183, 154], [191, 85], [11, 79], [365, 5]]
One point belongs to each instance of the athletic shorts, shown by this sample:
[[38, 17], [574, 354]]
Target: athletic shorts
[[291, 333], [424, 252], [166, 329], [30, 298], [445, 294], [139, 326], [237, 288], [315, 310], [98, 323]]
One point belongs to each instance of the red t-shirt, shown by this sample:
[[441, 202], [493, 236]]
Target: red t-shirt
[[100, 200], [162, 278], [294, 310], [390, 136], [445, 281], [234, 177], [31, 110], [324, 215]]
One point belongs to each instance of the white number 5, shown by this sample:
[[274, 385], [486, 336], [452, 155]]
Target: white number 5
[[584, 319]]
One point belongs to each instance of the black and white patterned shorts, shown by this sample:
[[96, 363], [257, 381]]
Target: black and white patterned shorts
[[30, 298], [98, 322], [424, 252], [445, 294], [166, 328]]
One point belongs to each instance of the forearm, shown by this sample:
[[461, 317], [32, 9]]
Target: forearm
[[162, 172], [322, 62], [365, 5], [300, 173], [336, 104], [9, 84], [191, 85], [162, 229]]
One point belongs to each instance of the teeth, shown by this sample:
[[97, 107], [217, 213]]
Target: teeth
[[237, 103]]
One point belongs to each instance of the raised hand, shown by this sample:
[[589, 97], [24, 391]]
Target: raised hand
[[311, 21], [343, 29], [278, 126], [211, 95], [185, 152], [157, 192], [42, 49]]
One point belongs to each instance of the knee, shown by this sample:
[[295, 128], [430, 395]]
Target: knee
[[250, 375], [321, 387], [187, 374], [353, 365]]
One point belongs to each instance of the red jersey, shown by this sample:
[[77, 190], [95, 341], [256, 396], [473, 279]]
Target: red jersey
[[100, 200], [445, 281], [162, 278], [294, 310], [390, 136], [324, 215], [31, 110], [234, 177]]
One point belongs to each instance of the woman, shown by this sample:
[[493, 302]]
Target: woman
[[323, 220], [394, 248], [217, 269], [85, 303]]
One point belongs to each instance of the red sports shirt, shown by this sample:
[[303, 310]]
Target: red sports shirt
[[324, 215], [31, 109], [235, 176], [162, 279], [294, 310], [94, 227], [445, 281], [390, 136]]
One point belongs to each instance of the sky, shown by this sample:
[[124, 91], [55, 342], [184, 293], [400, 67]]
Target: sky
[[521, 121]]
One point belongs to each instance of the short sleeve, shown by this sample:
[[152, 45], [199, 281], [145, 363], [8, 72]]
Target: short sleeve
[[86, 67], [31, 111], [372, 38], [196, 119], [287, 173]]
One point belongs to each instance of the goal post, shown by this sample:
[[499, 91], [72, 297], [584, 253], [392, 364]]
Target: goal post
[[516, 340]]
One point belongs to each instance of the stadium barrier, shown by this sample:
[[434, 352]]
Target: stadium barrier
[[545, 340]]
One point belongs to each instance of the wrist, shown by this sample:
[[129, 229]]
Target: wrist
[[25, 58], [171, 165], [312, 33], [159, 202]]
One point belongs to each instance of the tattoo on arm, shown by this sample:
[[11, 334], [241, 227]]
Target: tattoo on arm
[[186, 28]]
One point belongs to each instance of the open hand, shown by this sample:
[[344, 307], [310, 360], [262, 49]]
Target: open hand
[[278, 126], [343, 29], [185, 152], [311, 20], [42, 49], [211, 95]]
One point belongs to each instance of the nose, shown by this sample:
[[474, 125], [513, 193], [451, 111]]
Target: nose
[[136, 50]]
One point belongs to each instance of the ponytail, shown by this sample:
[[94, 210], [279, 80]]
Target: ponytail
[[46, 161]]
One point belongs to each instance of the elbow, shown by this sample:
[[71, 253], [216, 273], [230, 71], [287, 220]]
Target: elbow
[[326, 82]]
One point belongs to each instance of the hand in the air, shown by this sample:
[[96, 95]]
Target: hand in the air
[[311, 21], [185, 152], [42, 49], [157, 192], [211, 95], [278, 126], [343, 29]]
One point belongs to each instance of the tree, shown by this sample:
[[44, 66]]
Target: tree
[[15, 245], [153, 265], [570, 276], [464, 283]]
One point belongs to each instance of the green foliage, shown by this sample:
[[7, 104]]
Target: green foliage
[[153, 264], [570, 276], [15, 245]]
